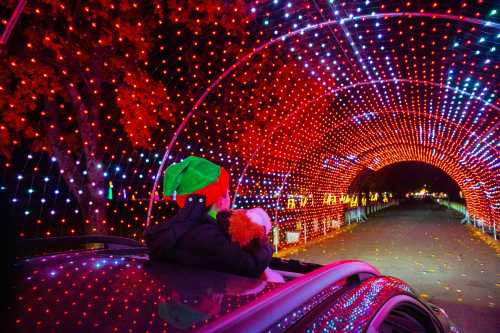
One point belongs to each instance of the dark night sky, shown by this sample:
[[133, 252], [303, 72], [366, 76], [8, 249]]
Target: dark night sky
[[404, 177]]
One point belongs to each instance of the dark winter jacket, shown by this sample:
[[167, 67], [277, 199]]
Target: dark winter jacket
[[192, 237]]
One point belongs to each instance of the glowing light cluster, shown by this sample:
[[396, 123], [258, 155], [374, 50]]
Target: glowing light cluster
[[295, 101]]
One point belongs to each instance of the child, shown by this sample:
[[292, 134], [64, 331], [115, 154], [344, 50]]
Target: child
[[193, 236]]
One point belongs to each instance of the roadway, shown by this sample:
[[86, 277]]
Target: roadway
[[426, 246]]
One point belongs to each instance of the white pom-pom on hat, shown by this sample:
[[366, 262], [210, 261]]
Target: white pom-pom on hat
[[260, 217]]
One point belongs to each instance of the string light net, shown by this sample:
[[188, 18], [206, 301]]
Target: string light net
[[294, 98]]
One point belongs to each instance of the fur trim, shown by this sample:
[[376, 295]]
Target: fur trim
[[242, 230]]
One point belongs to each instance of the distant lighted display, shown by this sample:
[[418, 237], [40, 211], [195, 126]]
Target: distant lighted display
[[294, 98]]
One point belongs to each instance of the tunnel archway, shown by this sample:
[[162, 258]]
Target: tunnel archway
[[296, 99], [301, 115], [409, 180]]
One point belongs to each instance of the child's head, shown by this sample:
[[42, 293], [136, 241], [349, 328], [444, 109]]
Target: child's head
[[196, 175]]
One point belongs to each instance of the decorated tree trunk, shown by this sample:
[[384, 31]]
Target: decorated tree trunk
[[80, 78]]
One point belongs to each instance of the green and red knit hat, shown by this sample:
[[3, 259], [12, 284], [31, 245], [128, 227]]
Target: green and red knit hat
[[195, 175]]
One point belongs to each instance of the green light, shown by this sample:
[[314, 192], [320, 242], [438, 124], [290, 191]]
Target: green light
[[493, 12], [110, 191]]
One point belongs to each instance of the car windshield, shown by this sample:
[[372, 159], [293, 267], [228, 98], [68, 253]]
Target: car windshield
[[116, 292]]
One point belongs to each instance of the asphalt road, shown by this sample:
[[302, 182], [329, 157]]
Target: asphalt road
[[427, 247]]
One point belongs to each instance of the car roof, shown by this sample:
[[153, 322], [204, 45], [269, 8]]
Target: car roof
[[120, 290]]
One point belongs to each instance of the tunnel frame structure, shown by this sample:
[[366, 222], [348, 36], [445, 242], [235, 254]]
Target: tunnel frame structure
[[322, 25]]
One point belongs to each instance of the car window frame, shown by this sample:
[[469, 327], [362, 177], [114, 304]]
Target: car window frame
[[260, 314], [395, 302]]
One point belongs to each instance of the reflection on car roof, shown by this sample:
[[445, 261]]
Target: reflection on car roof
[[99, 290]]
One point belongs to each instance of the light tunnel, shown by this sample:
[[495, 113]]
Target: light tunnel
[[295, 98], [305, 103], [300, 117]]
